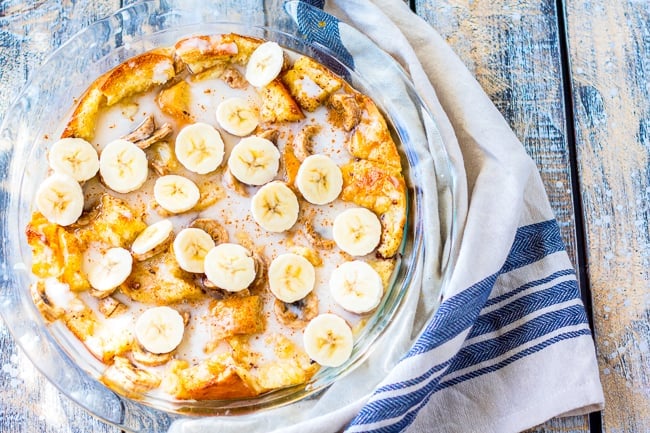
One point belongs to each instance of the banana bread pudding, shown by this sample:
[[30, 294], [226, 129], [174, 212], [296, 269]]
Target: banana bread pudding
[[219, 219]]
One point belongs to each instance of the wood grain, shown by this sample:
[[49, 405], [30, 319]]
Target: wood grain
[[512, 48], [610, 69]]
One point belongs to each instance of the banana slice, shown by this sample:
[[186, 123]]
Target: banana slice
[[254, 160], [356, 286], [60, 199], [291, 277], [160, 329], [123, 166], [237, 116], [230, 267], [199, 148], [357, 231], [275, 207], [110, 269], [319, 179], [151, 238], [75, 157], [191, 245], [264, 64], [176, 194], [328, 340]]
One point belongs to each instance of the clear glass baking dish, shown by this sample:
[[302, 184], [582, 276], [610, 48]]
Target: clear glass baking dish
[[46, 99]]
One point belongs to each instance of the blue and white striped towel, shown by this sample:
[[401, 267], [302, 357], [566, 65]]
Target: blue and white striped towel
[[510, 345]]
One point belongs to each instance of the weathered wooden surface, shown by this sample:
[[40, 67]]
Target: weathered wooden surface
[[610, 71], [513, 49]]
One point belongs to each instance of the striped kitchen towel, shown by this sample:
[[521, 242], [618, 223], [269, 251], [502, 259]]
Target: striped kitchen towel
[[509, 346]]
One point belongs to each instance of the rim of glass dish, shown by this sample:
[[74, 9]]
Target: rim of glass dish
[[287, 395]]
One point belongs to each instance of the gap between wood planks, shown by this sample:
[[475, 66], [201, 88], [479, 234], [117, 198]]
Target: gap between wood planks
[[595, 418]]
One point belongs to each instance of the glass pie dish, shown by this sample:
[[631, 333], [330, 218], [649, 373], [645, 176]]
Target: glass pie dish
[[38, 113]]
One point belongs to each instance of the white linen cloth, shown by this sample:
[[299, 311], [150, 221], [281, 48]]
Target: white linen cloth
[[510, 345]]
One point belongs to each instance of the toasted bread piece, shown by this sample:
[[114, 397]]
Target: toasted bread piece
[[311, 83], [323, 77], [206, 51], [203, 52], [108, 342], [306, 92], [83, 119], [55, 252], [214, 379], [175, 101], [245, 46], [112, 222], [371, 138], [160, 281], [139, 74], [278, 105], [82, 323], [378, 188], [213, 72], [237, 316]]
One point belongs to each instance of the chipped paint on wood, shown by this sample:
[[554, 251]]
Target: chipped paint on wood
[[610, 54]]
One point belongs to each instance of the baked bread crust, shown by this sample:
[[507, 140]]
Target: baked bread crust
[[137, 75]]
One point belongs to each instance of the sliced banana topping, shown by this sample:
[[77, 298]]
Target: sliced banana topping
[[108, 270], [319, 179], [356, 286], [254, 161], [230, 267], [123, 166], [291, 277], [264, 64], [191, 245], [275, 207], [328, 340], [151, 238], [74, 157], [357, 231], [176, 194], [199, 148], [237, 116], [60, 199], [160, 329]]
